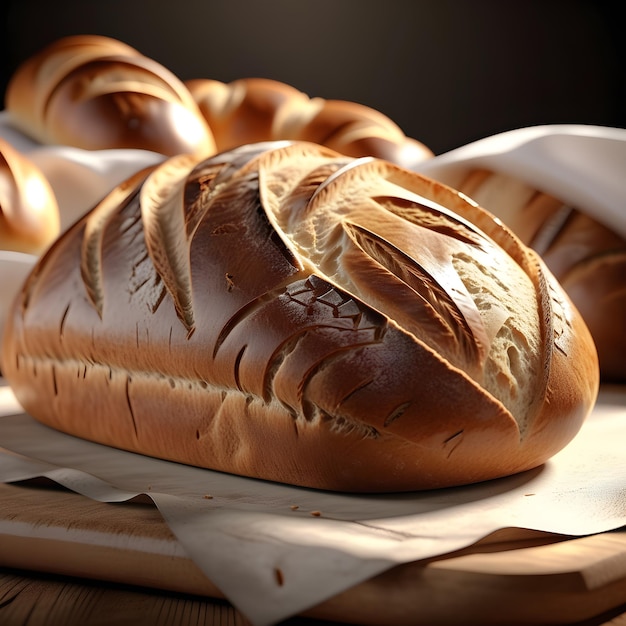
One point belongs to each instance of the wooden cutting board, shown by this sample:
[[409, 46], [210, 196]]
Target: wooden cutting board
[[512, 577]]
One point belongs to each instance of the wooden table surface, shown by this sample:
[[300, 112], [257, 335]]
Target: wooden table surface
[[31, 599]]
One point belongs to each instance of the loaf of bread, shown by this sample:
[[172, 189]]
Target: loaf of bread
[[29, 212], [95, 93], [285, 312], [251, 110], [586, 256]]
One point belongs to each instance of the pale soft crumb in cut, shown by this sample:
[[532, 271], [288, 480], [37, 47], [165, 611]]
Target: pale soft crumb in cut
[[514, 360]]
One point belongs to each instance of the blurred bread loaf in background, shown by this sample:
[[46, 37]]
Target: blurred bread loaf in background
[[29, 212], [259, 109], [97, 93]]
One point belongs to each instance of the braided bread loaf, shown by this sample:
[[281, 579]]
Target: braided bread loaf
[[257, 109], [29, 213], [95, 93], [286, 312], [587, 257]]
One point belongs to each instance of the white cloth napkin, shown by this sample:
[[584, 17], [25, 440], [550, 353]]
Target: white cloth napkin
[[584, 166]]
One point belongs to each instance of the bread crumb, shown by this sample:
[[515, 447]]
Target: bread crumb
[[229, 282], [278, 574], [294, 507], [206, 496]]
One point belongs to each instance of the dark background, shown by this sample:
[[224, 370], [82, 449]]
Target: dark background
[[447, 71]]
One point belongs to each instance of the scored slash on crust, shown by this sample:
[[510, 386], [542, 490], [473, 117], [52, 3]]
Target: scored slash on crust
[[91, 245], [163, 215]]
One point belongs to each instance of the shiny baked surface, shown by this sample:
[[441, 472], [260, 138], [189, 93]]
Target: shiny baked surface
[[287, 312]]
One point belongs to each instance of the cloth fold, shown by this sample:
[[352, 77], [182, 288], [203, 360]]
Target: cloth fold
[[582, 165]]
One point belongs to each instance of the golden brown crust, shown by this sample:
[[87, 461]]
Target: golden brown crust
[[242, 314], [29, 214], [258, 109], [96, 93]]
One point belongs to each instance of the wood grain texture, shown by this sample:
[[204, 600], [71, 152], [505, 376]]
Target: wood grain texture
[[31, 599], [37, 600]]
